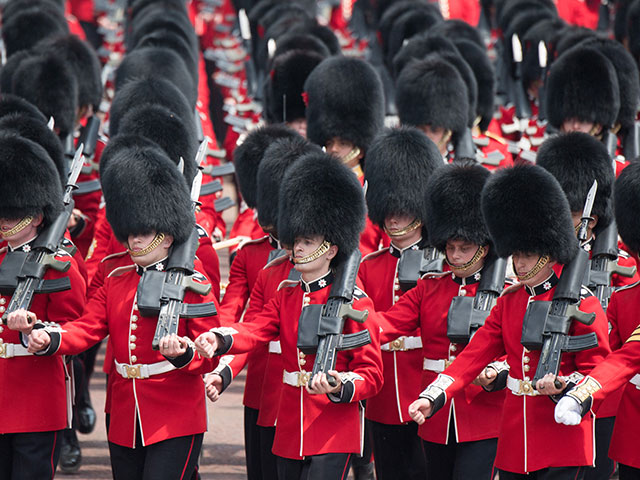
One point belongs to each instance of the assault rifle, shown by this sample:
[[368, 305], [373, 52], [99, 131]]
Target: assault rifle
[[415, 263]]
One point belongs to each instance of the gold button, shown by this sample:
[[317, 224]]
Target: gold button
[[301, 354], [526, 350], [396, 288], [302, 361], [526, 379], [396, 298], [462, 292], [526, 359], [452, 357], [132, 346], [134, 326], [526, 368], [134, 359], [3, 301], [134, 318], [2, 309], [1, 329], [132, 338], [453, 348]]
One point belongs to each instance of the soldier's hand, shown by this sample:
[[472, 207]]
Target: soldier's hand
[[38, 340], [207, 344], [320, 385], [213, 386], [21, 320], [172, 346], [546, 385], [568, 411], [420, 410], [486, 377]]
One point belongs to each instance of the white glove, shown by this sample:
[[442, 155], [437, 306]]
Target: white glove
[[568, 411]]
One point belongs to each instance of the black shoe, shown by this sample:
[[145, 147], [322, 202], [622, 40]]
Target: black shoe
[[363, 472], [70, 455], [86, 419]]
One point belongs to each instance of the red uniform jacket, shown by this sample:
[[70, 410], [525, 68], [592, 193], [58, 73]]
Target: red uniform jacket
[[246, 225], [314, 424], [167, 405], [529, 437], [475, 412], [34, 397], [402, 369]]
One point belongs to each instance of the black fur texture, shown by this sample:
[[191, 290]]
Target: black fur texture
[[120, 143], [627, 206], [13, 104], [419, 47], [27, 27]]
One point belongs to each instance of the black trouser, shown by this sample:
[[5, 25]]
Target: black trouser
[[398, 451], [268, 461], [555, 473], [461, 461], [625, 472], [29, 456], [604, 465], [252, 447], [330, 466], [172, 459]]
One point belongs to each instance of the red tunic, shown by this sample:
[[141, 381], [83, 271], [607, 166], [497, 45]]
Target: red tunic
[[402, 369], [529, 437], [34, 396], [313, 424]]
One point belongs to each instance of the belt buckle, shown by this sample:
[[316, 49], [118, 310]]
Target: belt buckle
[[3, 349], [132, 371], [525, 387], [303, 378], [398, 345]]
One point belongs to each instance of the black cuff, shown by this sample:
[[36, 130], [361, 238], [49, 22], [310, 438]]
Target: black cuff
[[182, 360], [54, 345], [225, 343], [226, 376], [345, 395], [500, 382], [79, 227]]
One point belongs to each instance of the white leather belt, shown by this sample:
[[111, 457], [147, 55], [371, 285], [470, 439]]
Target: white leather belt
[[521, 387], [10, 350], [437, 366], [275, 347], [636, 381], [141, 371], [402, 344], [296, 379]]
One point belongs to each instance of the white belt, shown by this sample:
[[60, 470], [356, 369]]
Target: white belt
[[437, 366], [296, 379], [10, 350], [402, 344], [275, 347], [636, 381], [521, 387], [141, 371]]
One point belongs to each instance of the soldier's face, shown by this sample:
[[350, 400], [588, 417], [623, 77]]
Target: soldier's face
[[523, 262], [23, 236], [460, 253], [575, 125], [305, 246], [341, 148], [299, 125], [437, 135], [395, 223], [137, 243]]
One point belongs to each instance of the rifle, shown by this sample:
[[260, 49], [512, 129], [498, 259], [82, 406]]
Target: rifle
[[467, 314], [250, 68], [546, 324], [465, 148], [415, 263], [320, 326], [162, 293], [604, 263], [631, 143], [604, 16], [89, 138], [22, 273], [542, 91], [611, 142], [521, 102]]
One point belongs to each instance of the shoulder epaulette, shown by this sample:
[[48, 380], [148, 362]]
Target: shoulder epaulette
[[200, 277], [288, 284], [585, 292], [434, 275], [276, 261], [374, 254], [121, 271], [358, 293], [114, 255], [201, 232], [4, 249], [623, 253], [252, 242], [627, 287]]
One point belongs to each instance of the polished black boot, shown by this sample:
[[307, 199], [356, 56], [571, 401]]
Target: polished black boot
[[70, 454]]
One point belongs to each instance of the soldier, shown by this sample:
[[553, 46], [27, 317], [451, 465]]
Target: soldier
[[153, 433], [318, 426], [36, 410], [399, 165], [528, 216]]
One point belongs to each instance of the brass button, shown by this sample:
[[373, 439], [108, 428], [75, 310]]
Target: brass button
[[1, 329], [526, 359], [397, 287], [3, 301], [462, 292], [134, 326], [132, 346], [2, 309], [302, 361], [301, 354], [526, 368], [134, 318], [527, 379], [132, 338], [453, 348], [134, 359], [396, 298]]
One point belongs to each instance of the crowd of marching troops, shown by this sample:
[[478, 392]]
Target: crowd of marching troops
[[462, 175]]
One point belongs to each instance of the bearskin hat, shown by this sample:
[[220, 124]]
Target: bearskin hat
[[37, 131], [50, 84], [627, 203], [453, 205], [163, 38], [300, 41], [399, 165], [149, 90], [27, 27], [469, 78], [582, 84], [392, 14], [413, 22], [144, 192], [419, 47], [283, 96], [321, 196], [526, 210], [432, 92], [116, 145], [459, 30], [177, 137], [30, 183], [9, 69], [280, 155], [345, 99], [13, 104], [576, 160], [248, 154], [323, 33], [13, 7], [511, 9], [633, 31], [156, 18], [547, 30]]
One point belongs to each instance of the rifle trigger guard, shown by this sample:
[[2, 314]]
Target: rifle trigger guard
[[347, 311], [190, 284], [58, 265]]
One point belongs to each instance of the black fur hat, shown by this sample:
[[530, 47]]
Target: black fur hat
[[84, 62], [30, 183], [280, 155], [148, 90], [37, 131], [432, 92], [345, 99], [145, 192], [9, 69], [26, 28], [399, 165], [547, 30], [118, 144], [49, 83], [576, 160], [526, 210], [247, 157], [13, 104], [300, 41], [627, 205], [633, 29], [419, 47], [413, 22], [469, 78], [321, 196], [453, 205], [582, 84], [323, 33], [283, 95], [177, 137], [459, 30]]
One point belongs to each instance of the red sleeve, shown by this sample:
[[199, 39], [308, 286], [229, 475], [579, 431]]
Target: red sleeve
[[237, 292], [403, 318], [615, 342], [211, 263], [100, 245], [618, 368], [262, 329]]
